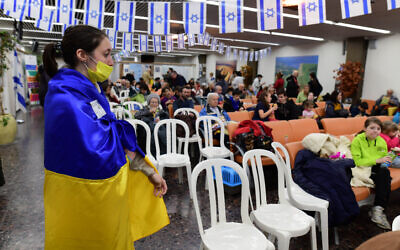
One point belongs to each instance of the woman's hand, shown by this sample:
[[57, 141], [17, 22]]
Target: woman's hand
[[160, 186], [384, 159]]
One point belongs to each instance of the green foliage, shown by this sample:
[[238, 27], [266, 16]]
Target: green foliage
[[7, 44], [5, 120]]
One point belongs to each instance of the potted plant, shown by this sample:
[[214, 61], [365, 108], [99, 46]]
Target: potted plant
[[8, 125], [349, 75]]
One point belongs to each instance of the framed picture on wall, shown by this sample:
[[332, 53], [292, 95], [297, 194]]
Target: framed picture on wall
[[304, 64]]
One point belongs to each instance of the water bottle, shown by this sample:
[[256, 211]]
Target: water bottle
[[386, 164]]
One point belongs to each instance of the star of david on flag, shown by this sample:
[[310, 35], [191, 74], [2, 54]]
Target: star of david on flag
[[94, 13], [194, 17], [311, 12], [251, 56], [157, 44], [230, 16], [200, 38], [352, 8], [181, 41], [14, 8], [270, 15], [228, 52], [256, 55], [46, 22], [221, 47], [246, 56], [65, 11], [159, 16], [214, 44], [112, 36], [235, 53], [35, 9], [127, 43], [191, 40], [393, 4], [168, 43], [124, 19], [143, 43], [240, 55], [206, 39]]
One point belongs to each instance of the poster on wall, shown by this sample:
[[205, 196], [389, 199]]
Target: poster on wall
[[304, 64], [31, 79], [224, 69]]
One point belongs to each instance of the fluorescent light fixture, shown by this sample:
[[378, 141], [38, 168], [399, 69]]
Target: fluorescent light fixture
[[353, 26], [297, 36], [288, 3]]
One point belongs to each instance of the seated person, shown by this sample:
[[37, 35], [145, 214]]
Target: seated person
[[310, 98], [308, 111], [385, 101], [167, 97], [132, 90], [359, 109], [218, 90], [212, 109], [232, 101], [157, 84], [107, 92], [303, 95], [209, 89], [142, 95], [334, 107], [287, 109], [250, 92], [390, 133], [272, 92], [151, 114], [263, 109], [185, 98], [243, 92]]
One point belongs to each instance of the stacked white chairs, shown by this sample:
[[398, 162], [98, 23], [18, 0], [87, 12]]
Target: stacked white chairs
[[300, 198], [135, 123], [396, 223], [173, 158], [283, 220], [121, 113], [222, 234]]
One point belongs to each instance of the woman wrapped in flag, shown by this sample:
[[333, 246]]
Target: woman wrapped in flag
[[100, 190]]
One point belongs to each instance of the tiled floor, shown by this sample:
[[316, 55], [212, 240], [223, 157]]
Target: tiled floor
[[21, 202]]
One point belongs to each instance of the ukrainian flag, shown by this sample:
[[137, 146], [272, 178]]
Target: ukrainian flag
[[92, 199]]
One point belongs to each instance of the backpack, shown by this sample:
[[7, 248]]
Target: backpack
[[253, 135], [190, 121]]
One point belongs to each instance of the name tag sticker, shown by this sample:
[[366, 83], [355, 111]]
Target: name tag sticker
[[98, 109]]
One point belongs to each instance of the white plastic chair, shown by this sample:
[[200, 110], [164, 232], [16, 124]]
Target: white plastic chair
[[300, 198], [281, 220], [114, 105], [172, 158], [222, 234], [210, 151], [131, 105], [124, 93], [135, 123], [120, 113], [194, 138], [396, 223]]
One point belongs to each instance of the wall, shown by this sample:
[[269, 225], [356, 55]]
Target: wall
[[329, 58], [382, 66]]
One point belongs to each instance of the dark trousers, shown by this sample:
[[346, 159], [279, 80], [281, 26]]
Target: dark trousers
[[381, 177]]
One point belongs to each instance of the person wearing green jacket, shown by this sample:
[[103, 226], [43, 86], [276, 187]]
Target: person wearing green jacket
[[302, 96], [370, 150]]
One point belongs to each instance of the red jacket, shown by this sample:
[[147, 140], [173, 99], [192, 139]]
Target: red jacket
[[279, 84], [391, 142]]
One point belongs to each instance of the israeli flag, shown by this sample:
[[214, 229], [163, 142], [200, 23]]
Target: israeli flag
[[311, 12], [228, 52], [191, 40], [269, 50], [65, 11], [251, 56], [35, 9], [18, 81], [230, 16], [124, 19], [157, 44], [270, 15], [351, 8], [206, 40], [158, 22], [214, 44], [14, 8], [143, 43], [200, 39], [46, 22], [65, 26], [246, 56], [393, 4], [127, 43], [240, 55], [168, 43], [221, 47], [256, 55], [194, 17], [181, 41], [235, 54], [112, 36], [94, 13]]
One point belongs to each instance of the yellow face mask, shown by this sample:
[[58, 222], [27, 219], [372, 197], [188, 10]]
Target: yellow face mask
[[102, 72]]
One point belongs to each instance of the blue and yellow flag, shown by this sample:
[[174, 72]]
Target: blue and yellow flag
[[92, 199]]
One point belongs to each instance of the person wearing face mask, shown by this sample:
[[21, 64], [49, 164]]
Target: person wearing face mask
[[97, 179]]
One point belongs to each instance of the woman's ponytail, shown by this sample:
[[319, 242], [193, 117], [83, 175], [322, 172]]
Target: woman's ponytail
[[49, 59]]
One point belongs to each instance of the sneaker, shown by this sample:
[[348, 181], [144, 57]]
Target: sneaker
[[379, 218]]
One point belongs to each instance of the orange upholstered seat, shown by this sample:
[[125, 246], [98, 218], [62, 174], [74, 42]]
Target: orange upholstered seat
[[371, 104], [281, 131], [355, 124], [335, 126], [303, 127], [239, 116], [395, 174]]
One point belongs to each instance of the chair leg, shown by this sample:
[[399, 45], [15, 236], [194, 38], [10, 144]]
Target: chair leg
[[179, 146], [323, 214], [180, 175], [313, 235], [283, 242], [336, 236], [189, 175]]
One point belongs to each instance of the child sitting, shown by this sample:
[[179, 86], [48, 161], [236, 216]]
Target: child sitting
[[308, 111], [369, 150], [390, 133]]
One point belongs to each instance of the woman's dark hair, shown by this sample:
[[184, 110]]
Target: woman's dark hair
[[75, 37], [372, 120], [163, 90], [104, 85], [262, 98], [333, 96], [308, 103], [281, 92], [279, 75], [313, 75]]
